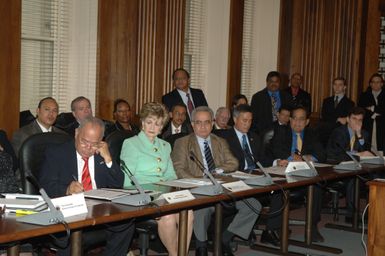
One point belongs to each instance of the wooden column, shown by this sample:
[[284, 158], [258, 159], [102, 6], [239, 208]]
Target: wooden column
[[10, 45]]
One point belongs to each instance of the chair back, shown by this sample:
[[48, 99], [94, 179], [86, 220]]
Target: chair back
[[32, 153], [115, 142]]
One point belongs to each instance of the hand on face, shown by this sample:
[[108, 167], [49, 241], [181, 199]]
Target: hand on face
[[102, 149]]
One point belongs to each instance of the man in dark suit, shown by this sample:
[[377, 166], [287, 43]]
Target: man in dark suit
[[299, 96], [334, 110], [123, 115], [350, 137], [177, 124], [183, 93], [266, 103], [246, 147], [214, 153], [89, 161], [81, 109], [46, 112], [293, 143]]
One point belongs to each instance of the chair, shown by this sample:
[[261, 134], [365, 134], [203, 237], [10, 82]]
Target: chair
[[25, 117], [115, 141], [31, 155]]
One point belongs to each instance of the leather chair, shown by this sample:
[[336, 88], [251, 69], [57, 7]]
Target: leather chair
[[25, 117], [115, 141], [31, 156]]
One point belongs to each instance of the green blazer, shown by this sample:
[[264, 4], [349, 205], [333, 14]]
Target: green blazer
[[148, 162]]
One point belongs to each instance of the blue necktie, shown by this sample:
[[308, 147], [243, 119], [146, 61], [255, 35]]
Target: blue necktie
[[247, 153], [209, 157]]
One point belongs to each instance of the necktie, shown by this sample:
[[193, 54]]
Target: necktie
[[299, 142], [176, 131], [209, 157], [247, 153], [274, 106], [190, 105], [352, 141], [336, 102], [86, 178]]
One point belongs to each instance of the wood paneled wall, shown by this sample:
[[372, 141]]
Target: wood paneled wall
[[323, 39], [10, 45], [140, 43]]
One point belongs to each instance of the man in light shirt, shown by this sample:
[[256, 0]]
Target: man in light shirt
[[177, 124], [46, 113]]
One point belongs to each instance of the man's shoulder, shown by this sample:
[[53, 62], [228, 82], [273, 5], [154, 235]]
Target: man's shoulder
[[261, 93], [170, 94]]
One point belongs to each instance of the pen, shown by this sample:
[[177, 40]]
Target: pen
[[74, 177]]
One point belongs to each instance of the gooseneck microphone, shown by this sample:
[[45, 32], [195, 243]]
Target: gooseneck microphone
[[266, 180], [209, 190]]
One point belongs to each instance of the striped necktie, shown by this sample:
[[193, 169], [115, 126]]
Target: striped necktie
[[86, 178], [190, 106], [247, 153], [209, 156]]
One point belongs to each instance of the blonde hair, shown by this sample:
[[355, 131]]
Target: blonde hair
[[154, 109]]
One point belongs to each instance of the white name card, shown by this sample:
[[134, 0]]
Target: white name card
[[177, 196], [71, 205], [236, 186], [296, 166]]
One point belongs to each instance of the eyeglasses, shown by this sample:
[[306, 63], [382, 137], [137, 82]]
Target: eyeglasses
[[202, 123], [86, 143]]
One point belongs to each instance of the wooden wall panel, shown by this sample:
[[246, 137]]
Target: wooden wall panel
[[140, 44], [10, 46], [327, 40]]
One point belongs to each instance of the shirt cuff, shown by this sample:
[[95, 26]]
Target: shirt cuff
[[109, 165]]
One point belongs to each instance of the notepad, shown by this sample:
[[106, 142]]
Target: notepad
[[34, 205]]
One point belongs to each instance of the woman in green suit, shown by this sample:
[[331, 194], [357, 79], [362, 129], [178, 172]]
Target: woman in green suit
[[148, 158]]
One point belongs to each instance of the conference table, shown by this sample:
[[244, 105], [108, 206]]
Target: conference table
[[104, 212]]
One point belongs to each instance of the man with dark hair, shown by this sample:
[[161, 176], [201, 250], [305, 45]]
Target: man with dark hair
[[334, 110], [246, 147], [46, 114], [349, 137], [176, 127], [183, 93], [266, 103], [299, 96], [88, 159], [81, 109], [292, 144], [122, 115]]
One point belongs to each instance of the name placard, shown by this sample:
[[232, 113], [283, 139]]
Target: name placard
[[177, 196], [236, 186], [71, 205]]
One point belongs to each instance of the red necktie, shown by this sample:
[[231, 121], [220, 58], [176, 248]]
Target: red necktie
[[86, 178], [190, 105]]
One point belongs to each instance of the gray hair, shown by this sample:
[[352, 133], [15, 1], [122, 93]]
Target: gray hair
[[202, 109], [94, 121], [220, 110]]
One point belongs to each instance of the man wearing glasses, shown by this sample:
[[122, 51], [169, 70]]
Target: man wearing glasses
[[82, 165], [215, 155]]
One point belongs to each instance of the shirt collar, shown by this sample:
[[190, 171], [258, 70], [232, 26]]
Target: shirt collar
[[184, 93], [147, 143], [43, 129]]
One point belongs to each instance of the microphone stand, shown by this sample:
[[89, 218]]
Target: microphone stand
[[348, 167], [134, 200], [266, 180]]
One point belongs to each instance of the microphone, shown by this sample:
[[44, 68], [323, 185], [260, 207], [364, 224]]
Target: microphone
[[209, 190], [259, 181], [377, 154], [53, 216], [135, 200], [357, 165], [310, 164]]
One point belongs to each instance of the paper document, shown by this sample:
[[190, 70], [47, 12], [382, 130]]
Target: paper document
[[187, 183], [278, 170], [243, 175], [105, 194], [35, 205]]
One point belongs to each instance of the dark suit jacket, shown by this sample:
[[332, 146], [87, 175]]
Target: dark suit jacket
[[329, 114], [4, 142], [26, 131], [186, 168], [367, 100], [173, 97], [261, 106], [236, 148], [302, 99], [60, 165], [339, 142], [118, 127], [282, 140]]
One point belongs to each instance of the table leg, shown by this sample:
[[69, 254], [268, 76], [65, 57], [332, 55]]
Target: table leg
[[13, 250], [76, 243], [218, 230], [182, 235]]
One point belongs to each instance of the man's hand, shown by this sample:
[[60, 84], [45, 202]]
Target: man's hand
[[297, 157], [74, 188], [102, 149], [282, 163], [365, 153]]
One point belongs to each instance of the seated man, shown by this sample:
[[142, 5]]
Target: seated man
[[222, 117], [81, 109], [216, 156], [177, 123], [349, 137], [46, 113], [245, 145], [89, 161], [122, 115], [293, 142]]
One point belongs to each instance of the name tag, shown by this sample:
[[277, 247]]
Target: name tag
[[71, 205], [236, 186], [177, 196]]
